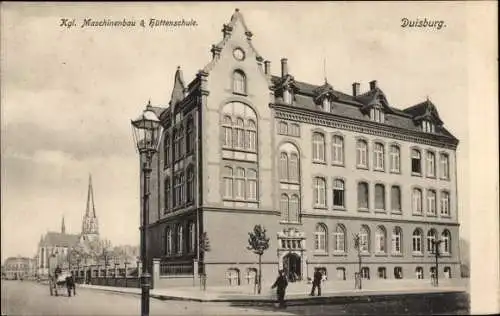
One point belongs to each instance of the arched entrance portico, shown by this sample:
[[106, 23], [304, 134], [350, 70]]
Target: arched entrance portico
[[292, 265]]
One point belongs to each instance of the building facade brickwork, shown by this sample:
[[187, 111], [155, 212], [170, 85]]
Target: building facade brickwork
[[311, 164]]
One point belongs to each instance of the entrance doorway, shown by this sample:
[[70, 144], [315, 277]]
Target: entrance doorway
[[292, 267]]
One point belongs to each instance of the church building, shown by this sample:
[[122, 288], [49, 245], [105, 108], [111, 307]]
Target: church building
[[243, 146], [59, 243]]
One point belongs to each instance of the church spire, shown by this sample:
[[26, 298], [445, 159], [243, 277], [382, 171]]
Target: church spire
[[63, 226], [90, 226], [90, 200]]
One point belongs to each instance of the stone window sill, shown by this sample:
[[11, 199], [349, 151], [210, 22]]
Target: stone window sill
[[364, 210], [319, 162], [339, 208]]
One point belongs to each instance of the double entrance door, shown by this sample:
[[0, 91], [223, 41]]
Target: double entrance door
[[292, 265]]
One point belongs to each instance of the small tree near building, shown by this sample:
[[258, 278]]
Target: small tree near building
[[357, 245], [258, 243]]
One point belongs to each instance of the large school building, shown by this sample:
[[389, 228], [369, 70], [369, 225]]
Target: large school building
[[313, 165]]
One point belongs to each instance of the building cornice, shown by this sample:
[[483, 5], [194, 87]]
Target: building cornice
[[361, 126], [378, 219]]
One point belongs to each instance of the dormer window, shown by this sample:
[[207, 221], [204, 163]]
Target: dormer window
[[428, 126], [377, 115], [287, 97], [326, 104]]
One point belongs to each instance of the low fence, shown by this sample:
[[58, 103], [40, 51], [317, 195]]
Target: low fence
[[133, 282]]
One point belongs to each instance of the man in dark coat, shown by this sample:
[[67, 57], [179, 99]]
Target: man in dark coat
[[281, 283], [316, 282]]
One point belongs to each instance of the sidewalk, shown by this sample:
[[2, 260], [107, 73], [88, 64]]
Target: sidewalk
[[297, 293]]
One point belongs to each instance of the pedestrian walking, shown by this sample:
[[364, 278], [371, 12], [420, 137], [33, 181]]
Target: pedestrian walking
[[281, 283], [316, 282]]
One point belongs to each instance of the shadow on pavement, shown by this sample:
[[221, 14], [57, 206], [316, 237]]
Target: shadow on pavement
[[435, 304]]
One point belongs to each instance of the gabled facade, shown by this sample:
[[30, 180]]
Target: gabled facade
[[312, 164]]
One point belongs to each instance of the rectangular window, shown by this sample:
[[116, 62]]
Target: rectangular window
[[444, 167], [431, 202], [416, 167], [445, 203], [338, 150], [395, 164], [252, 189], [363, 195], [379, 197], [379, 157], [431, 164], [395, 199], [338, 193], [361, 154]]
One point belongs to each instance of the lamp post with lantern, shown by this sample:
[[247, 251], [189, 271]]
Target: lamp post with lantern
[[435, 251], [146, 132]]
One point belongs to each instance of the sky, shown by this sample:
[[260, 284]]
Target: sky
[[68, 94]]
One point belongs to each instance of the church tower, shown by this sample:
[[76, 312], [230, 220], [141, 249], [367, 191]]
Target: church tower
[[90, 228]]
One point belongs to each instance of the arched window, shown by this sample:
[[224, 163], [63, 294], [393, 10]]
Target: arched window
[[395, 198], [338, 150], [239, 82], [293, 172], [416, 163], [240, 183], [380, 240], [431, 202], [395, 158], [446, 242], [190, 136], [338, 193], [181, 143], [431, 238], [362, 154], [239, 134], [431, 164], [319, 192], [364, 239], [419, 272], [227, 129], [378, 156], [320, 236], [228, 182], [363, 195], [417, 241], [166, 149], [182, 187], [168, 242], [397, 236], [379, 196], [251, 136], [283, 166], [166, 198], [294, 209], [318, 140], [192, 237], [339, 239], [180, 239], [417, 201], [284, 207], [445, 203], [177, 148], [252, 184], [190, 184]]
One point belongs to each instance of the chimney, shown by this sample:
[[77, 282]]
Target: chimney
[[284, 67], [373, 84], [267, 67], [355, 89]]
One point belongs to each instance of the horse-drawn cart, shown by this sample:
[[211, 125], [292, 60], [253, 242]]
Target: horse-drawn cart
[[62, 279]]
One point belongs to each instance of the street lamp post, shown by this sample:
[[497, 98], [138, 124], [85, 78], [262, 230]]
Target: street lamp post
[[435, 249], [146, 130]]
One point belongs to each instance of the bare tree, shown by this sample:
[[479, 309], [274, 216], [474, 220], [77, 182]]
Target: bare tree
[[258, 243]]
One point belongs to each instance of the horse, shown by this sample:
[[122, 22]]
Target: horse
[[65, 279]]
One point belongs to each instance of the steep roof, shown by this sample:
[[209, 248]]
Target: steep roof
[[350, 106], [60, 240]]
